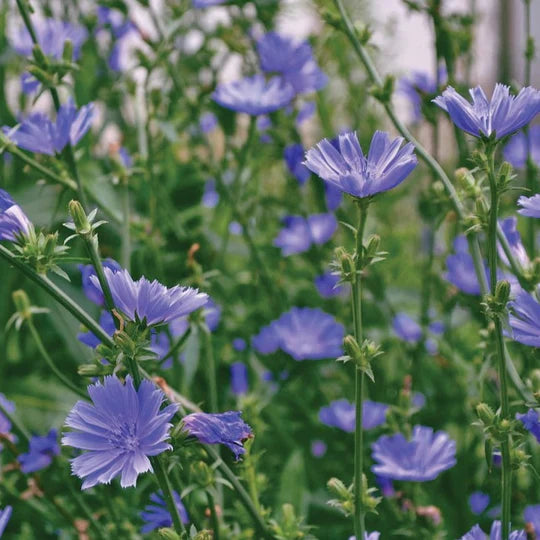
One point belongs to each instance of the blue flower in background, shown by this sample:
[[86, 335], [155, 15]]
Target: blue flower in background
[[212, 314], [517, 149], [386, 486], [5, 514], [406, 328], [531, 515], [208, 122], [51, 36], [531, 423], [235, 228], [333, 196], [345, 166], [509, 228], [478, 502], [156, 515], [5, 423], [303, 333], [375, 535], [40, 453], [299, 233], [119, 431], [501, 116], [327, 285], [342, 414], [307, 110], [420, 459], [460, 268], [93, 293], [239, 344], [150, 301], [37, 133], [254, 95], [207, 3], [239, 379], [318, 448], [476, 533], [13, 220], [106, 322], [226, 428], [524, 319], [210, 196], [530, 206], [294, 159]]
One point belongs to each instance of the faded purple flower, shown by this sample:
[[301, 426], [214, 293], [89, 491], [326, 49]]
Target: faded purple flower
[[342, 414], [406, 328], [299, 233], [307, 110], [212, 314]]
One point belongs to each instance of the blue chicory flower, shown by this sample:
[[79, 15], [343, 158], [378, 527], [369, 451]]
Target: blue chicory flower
[[531, 422], [299, 233], [530, 206], [332, 195], [119, 431], [307, 110], [150, 302], [40, 453], [522, 146], [478, 502], [51, 36], [294, 158], [501, 116], [327, 285], [406, 328], [93, 293], [531, 515], [420, 459], [254, 95], [386, 486], [345, 166], [303, 333], [106, 322], [37, 133], [239, 344], [5, 514], [460, 268], [156, 515], [210, 196], [342, 414], [318, 448], [524, 319], [509, 229], [239, 379], [476, 533], [208, 122], [212, 314], [13, 220], [226, 428]]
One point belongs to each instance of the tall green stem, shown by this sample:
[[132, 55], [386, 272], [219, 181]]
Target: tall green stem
[[126, 233], [210, 363], [506, 480], [359, 514]]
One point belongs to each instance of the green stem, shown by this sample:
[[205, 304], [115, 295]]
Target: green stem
[[210, 364], [49, 361], [19, 426], [126, 237], [177, 346], [213, 515], [506, 480], [359, 513]]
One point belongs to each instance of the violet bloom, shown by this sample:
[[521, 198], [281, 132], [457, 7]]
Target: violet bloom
[[509, 228], [406, 328], [531, 515], [327, 285], [150, 302], [419, 85], [303, 333], [51, 36], [106, 322], [478, 502], [476, 533], [37, 133], [386, 486], [206, 3], [530, 206], [525, 319], [212, 314], [156, 515], [332, 195], [5, 514], [120, 430], [93, 293], [40, 453], [299, 233], [210, 196], [420, 459], [294, 158], [342, 414], [386, 165], [239, 379], [13, 220], [239, 344], [318, 448], [307, 110], [254, 95], [501, 116], [516, 151], [460, 268], [531, 423], [235, 228], [208, 122], [226, 428]]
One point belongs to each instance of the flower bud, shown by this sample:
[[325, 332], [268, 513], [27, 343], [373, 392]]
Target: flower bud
[[373, 246], [535, 379], [22, 303], [169, 534], [82, 225], [337, 487], [202, 474], [204, 535], [352, 348], [346, 263], [485, 413], [89, 370], [39, 56], [502, 292]]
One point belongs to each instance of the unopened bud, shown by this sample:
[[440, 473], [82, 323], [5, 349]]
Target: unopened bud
[[82, 225], [168, 534], [352, 348], [485, 413], [373, 245], [502, 292], [39, 56], [202, 474], [22, 303]]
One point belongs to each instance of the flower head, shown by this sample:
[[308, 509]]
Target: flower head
[[41, 452], [106, 322], [327, 285], [239, 378], [478, 502], [516, 151], [406, 328], [304, 333], [531, 423], [525, 319], [92, 292], [13, 220], [342, 414], [421, 459], [37, 133], [51, 36], [530, 206], [226, 428], [239, 344], [501, 116], [150, 301], [5, 514], [254, 95], [344, 164], [294, 159], [156, 515], [120, 430], [460, 268], [476, 533], [299, 233]]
